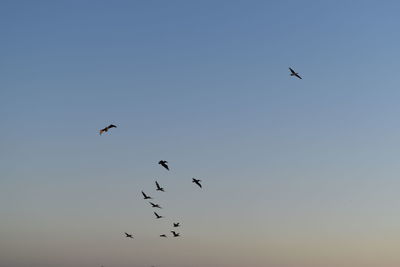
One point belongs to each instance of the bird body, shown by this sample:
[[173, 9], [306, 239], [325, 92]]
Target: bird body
[[128, 235], [104, 130], [177, 224], [164, 164], [158, 216], [145, 196], [163, 235], [175, 233], [159, 188], [155, 205], [293, 73], [197, 181]]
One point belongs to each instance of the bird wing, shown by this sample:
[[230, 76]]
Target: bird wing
[[112, 126], [292, 71], [144, 194], [155, 213], [198, 183], [158, 186], [163, 164], [298, 76]]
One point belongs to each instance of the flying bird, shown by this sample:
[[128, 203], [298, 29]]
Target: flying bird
[[104, 130], [155, 205], [159, 188], [196, 181], [177, 224], [175, 234], [163, 235], [293, 73], [164, 164], [146, 196], [158, 216], [128, 235]]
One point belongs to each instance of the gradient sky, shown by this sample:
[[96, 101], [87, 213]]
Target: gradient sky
[[296, 173]]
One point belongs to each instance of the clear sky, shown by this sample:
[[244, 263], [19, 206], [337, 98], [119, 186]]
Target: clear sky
[[296, 173]]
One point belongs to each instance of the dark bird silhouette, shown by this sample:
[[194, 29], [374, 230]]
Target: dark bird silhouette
[[164, 164], [155, 205], [175, 233], [146, 196], [163, 235], [104, 130], [293, 73], [158, 216], [128, 235], [196, 181], [177, 224], [159, 188]]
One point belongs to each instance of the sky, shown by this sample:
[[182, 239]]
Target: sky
[[295, 173]]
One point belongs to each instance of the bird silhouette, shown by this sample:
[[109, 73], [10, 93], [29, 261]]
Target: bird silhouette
[[196, 181], [175, 233], [158, 216], [164, 164], [104, 130], [145, 196], [128, 235], [163, 235], [293, 73], [155, 205], [177, 224], [159, 188]]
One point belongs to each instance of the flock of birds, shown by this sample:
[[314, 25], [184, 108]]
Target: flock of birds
[[164, 164]]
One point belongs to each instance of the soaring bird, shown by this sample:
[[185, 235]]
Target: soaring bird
[[196, 181], [177, 224], [155, 205], [158, 216], [164, 164], [145, 196], [293, 73], [163, 235], [159, 188], [175, 234], [104, 130], [128, 235]]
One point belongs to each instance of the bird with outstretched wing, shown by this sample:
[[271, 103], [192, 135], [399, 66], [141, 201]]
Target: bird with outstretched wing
[[293, 73], [104, 130]]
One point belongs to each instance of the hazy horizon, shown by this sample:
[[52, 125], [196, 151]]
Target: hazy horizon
[[295, 173]]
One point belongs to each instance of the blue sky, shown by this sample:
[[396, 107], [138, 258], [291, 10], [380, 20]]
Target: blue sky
[[295, 172]]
